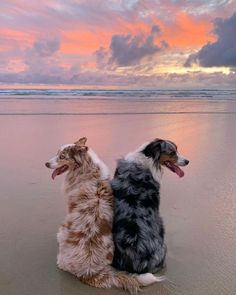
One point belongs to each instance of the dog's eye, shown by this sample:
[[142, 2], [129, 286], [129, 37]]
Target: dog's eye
[[172, 154], [61, 157]]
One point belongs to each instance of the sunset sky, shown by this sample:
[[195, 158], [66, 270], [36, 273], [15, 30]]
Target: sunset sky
[[118, 43]]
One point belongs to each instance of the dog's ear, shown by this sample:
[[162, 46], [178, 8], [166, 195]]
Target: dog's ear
[[81, 141], [153, 149]]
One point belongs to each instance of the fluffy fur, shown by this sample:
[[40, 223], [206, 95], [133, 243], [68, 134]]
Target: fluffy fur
[[85, 238], [138, 230]]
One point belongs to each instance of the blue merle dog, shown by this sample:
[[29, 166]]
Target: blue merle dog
[[138, 230]]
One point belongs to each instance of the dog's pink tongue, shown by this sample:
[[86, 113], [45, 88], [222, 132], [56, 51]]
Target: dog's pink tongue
[[59, 171], [178, 171], [55, 173]]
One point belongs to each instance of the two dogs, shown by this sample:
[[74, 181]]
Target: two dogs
[[85, 238], [86, 247]]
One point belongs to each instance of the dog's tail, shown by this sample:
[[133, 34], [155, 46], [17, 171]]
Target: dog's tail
[[109, 277]]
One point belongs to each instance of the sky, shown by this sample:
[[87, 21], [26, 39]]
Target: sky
[[118, 43]]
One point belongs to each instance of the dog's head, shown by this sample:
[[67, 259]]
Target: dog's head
[[164, 152], [68, 156]]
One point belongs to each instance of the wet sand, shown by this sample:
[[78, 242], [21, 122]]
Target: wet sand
[[199, 210]]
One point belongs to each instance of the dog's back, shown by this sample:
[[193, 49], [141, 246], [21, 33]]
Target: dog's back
[[85, 238], [138, 231], [85, 244]]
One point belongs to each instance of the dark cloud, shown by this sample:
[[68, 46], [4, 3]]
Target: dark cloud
[[102, 57], [46, 47], [42, 60], [223, 51], [155, 29], [129, 50], [42, 64]]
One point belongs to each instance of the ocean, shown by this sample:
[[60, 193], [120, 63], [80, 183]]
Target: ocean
[[114, 94], [115, 102]]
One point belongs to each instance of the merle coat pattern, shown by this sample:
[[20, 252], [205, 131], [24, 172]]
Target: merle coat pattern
[[138, 230]]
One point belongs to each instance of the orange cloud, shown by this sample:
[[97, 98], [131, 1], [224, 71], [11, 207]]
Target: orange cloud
[[12, 45], [19, 36], [78, 42], [188, 31], [85, 40], [133, 27]]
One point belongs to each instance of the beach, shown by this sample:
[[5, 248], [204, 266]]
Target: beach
[[199, 210]]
